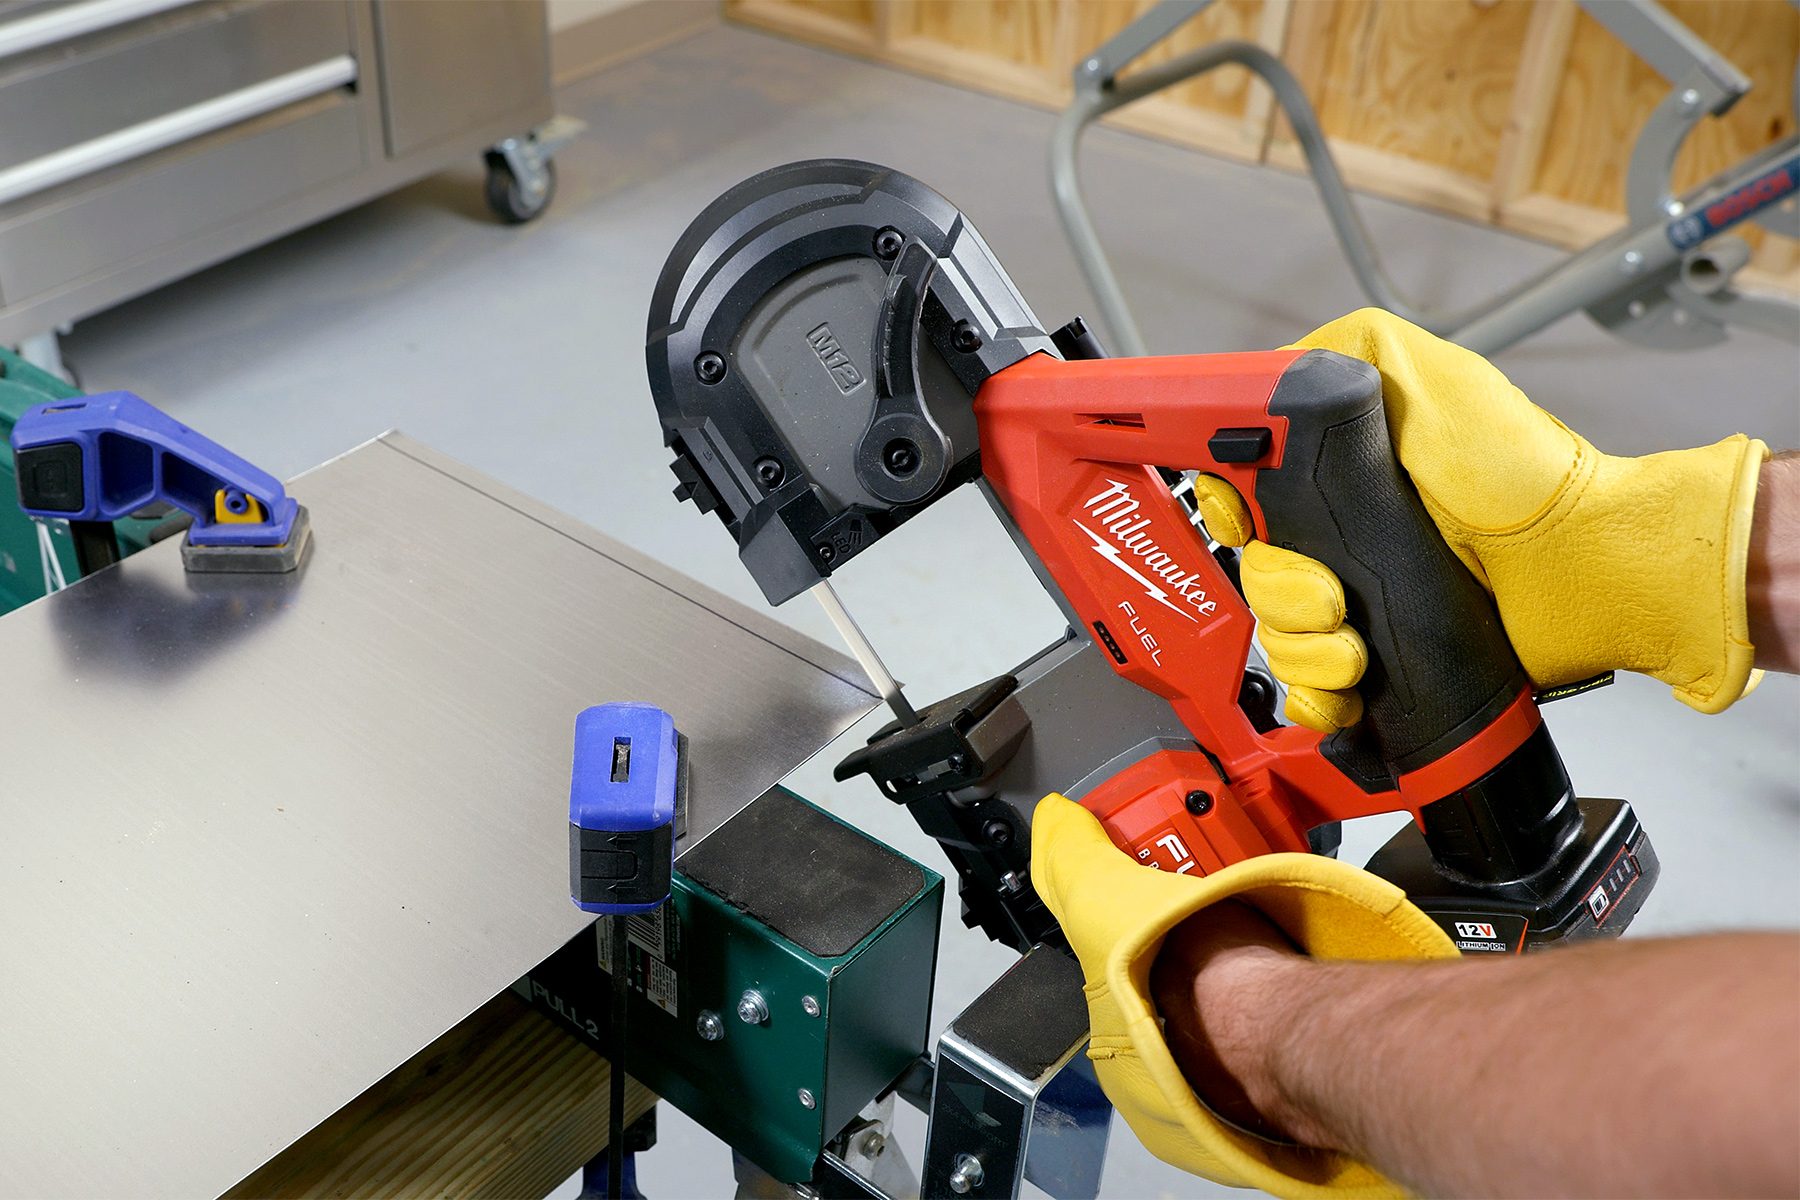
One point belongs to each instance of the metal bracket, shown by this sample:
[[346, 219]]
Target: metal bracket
[[1014, 1097]]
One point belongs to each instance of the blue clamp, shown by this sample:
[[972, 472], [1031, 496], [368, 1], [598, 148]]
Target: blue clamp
[[100, 458], [625, 796]]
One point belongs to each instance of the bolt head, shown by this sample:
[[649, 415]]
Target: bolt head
[[709, 368], [1690, 99], [709, 1026], [901, 457], [1674, 208], [752, 1009], [1199, 803], [810, 1006], [966, 1174], [888, 242], [965, 337], [1631, 262], [827, 553], [769, 472], [997, 832], [807, 1099]]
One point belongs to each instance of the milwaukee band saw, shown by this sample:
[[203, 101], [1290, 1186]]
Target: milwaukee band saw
[[832, 347]]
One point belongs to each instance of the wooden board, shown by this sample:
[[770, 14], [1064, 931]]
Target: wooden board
[[1607, 92], [1431, 82], [506, 1104], [1519, 113]]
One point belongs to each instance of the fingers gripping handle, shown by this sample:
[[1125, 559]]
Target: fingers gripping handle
[[1440, 667]]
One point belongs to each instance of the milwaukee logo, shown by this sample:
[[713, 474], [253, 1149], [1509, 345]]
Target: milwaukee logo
[[824, 343], [1475, 929], [1128, 547]]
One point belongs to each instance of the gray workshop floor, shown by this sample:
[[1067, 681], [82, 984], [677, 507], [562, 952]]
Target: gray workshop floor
[[520, 351]]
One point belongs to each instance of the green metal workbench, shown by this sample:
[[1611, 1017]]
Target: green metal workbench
[[37, 558]]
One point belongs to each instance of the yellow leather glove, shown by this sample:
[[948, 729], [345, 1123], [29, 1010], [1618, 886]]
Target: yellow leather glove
[[1596, 563], [1116, 913]]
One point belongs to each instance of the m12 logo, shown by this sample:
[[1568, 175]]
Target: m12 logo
[[1476, 929]]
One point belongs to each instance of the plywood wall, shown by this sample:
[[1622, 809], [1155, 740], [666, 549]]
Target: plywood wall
[[1519, 113]]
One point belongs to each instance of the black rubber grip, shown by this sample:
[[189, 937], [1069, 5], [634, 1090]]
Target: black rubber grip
[[1440, 667]]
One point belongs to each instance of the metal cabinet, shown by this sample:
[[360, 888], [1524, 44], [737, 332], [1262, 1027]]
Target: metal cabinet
[[141, 140]]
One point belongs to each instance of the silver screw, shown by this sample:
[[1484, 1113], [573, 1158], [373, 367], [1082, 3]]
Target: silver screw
[[1690, 100], [1632, 263], [871, 1143], [1011, 884], [708, 1026], [1674, 208], [752, 1009], [810, 1005], [965, 1174], [806, 1099], [1091, 66]]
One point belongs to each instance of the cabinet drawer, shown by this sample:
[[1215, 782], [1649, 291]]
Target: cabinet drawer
[[73, 92], [134, 211]]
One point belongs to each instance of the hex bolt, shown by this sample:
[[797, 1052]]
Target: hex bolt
[[997, 832], [769, 472], [752, 1009], [710, 367], [1199, 803], [901, 457], [888, 242], [966, 1174], [807, 1100], [709, 1026], [810, 1006], [965, 338]]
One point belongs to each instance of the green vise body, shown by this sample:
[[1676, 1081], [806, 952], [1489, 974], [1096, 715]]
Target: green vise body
[[785, 985]]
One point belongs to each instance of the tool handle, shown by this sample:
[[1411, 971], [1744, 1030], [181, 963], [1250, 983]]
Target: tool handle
[[1441, 670]]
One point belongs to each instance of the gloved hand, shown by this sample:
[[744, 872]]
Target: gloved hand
[[1116, 914], [1596, 563]]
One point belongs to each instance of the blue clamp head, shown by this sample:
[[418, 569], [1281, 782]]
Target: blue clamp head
[[625, 799], [103, 457]]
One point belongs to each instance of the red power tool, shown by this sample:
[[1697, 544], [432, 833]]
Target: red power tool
[[832, 347]]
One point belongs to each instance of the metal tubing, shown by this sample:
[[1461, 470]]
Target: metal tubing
[[1091, 105], [1575, 283]]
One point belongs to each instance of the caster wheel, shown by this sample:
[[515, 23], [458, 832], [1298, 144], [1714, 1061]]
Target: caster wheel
[[517, 201]]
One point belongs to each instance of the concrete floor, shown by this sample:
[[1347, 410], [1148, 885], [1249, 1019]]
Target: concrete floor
[[520, 352]]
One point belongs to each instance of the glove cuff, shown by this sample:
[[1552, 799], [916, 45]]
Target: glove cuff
[[1330, 910], [1704, 572]]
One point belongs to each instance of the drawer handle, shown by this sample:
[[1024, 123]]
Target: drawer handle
[[135, 141], [72, 21]]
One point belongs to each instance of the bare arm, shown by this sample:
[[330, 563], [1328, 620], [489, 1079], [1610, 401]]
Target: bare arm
[[1653, 1067], [1773, 582]]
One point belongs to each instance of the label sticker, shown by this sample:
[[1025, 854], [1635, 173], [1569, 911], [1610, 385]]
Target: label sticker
[[652, 945], [1484, 933]]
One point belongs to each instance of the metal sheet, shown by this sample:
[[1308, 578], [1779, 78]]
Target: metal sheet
[[264, 838]]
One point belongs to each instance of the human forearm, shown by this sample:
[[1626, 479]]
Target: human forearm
[[1772, 585], [1659, 1066]]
